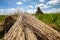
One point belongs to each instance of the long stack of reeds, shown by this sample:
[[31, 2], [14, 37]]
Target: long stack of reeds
[[28, 27]]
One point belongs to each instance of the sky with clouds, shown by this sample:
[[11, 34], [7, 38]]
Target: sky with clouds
[[47, 6]]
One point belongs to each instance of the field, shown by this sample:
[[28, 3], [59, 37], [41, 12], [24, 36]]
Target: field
[[2, 18]]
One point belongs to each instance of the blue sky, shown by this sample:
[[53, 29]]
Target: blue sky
[[47, 6]]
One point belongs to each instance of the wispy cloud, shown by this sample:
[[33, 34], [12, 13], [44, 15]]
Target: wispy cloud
[[2, 11], [31, 11], [30, 6], [19, 3], [53, 10], [8, 11], [42, 0], [34, 3], [53, 2], [42, 5]]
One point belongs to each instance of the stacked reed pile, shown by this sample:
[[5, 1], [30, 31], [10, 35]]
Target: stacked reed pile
[[28, 27]]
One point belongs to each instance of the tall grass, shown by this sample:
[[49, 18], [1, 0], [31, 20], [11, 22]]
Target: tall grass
[[50, 19], [2, 18]]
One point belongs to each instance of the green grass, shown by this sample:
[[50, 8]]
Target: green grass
[[2, 18], [50, 19]]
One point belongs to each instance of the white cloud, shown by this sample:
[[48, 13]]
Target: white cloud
[[42, 5], [2, 11], [31, 11], [11, 11], [19, 3], [8, 11], [30, 6], [53, 10], [41, 0], [53, 2]]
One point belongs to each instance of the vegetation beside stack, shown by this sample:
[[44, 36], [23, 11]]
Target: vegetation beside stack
[[2, 18], [50, 19]]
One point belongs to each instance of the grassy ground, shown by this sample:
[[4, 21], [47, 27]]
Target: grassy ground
[[50, 19], [2, 18]]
